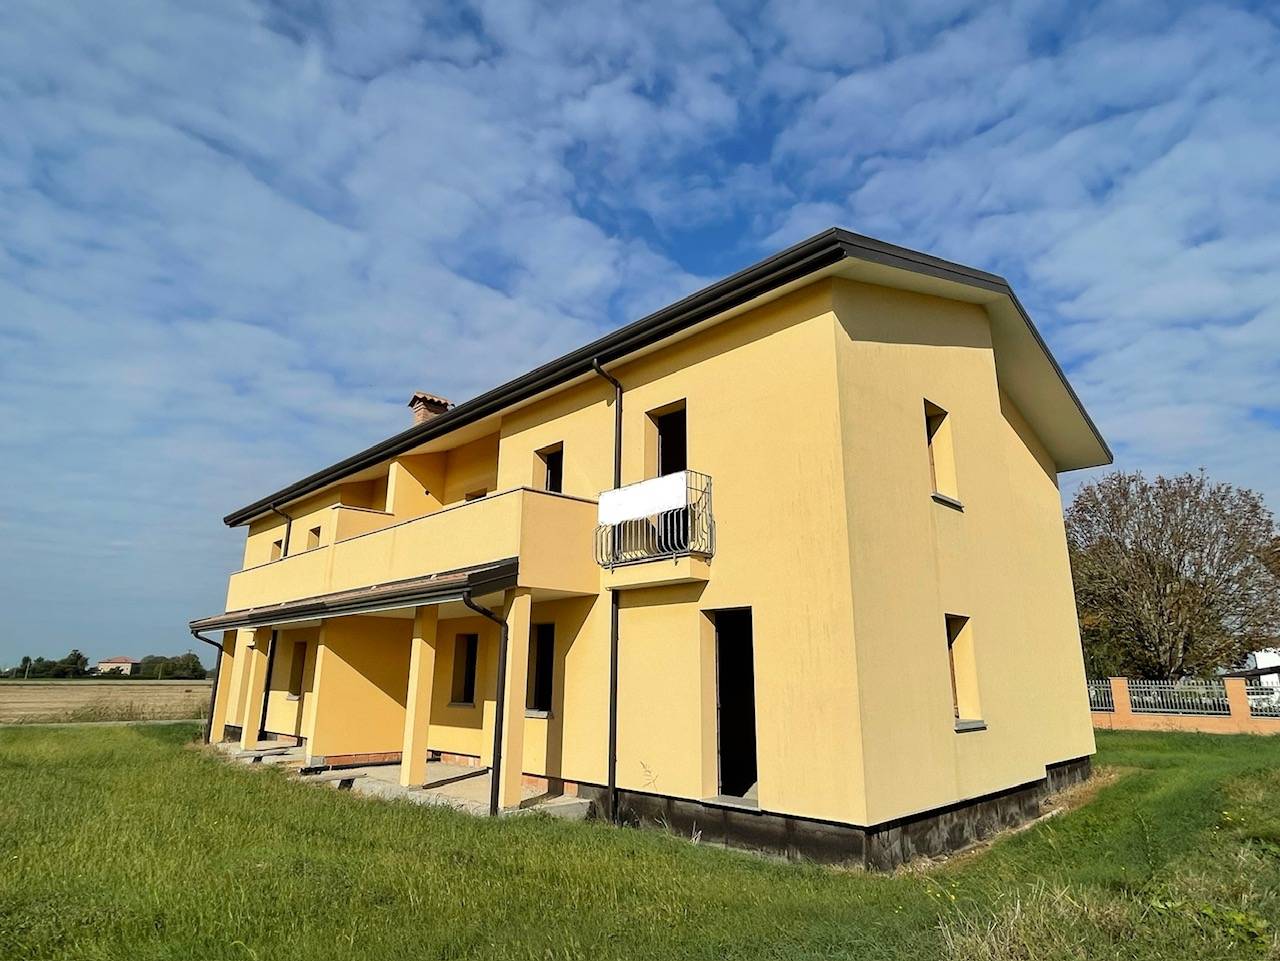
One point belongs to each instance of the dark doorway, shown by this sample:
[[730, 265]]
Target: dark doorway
[[672, 455], [542, 663], [553, 469], [736, 703]]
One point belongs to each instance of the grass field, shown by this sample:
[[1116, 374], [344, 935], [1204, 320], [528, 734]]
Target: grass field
[[46, 701], [127, 843]]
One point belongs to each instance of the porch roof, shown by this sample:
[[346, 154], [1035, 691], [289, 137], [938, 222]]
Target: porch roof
[[412, 592]]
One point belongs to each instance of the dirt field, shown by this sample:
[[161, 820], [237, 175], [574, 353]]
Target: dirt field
[[45, 701]]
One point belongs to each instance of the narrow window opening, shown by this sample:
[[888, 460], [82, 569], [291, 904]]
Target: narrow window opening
[[542, 660], [963, 666], [736, 704], [942, 466], [313, 538], [296, 668], [465, 647], [277, 549], [552, 459]]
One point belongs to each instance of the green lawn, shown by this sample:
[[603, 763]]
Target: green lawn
[[124, 843]]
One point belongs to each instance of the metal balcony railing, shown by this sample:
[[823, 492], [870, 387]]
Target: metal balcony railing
[[665, 517]]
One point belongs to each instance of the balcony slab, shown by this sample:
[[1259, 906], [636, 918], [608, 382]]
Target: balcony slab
[[657, 573]]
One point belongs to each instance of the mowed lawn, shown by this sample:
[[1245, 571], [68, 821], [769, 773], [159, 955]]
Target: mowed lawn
[[127, 842]]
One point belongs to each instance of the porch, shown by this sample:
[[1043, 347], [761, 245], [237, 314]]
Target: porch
[[461, 787], [471, 667]]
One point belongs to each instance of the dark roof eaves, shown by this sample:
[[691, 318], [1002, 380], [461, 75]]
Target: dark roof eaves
[[791, 264]]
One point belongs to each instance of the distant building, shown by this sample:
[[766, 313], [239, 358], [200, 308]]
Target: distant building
[[1266, 661], [118, 665]]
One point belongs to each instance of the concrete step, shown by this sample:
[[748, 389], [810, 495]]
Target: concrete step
[[342, 780], [562, 808], [284, 760], [258, 754]]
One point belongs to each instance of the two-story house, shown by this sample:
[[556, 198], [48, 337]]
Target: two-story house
[[783, 562]]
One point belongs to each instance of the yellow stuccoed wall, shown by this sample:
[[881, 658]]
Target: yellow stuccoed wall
[[551, 534], [310, 512], [284, 716], [1002, 562], [808, 415], [763, 422], [360, 681]]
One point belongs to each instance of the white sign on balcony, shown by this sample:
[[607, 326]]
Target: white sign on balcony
[[644, 499]]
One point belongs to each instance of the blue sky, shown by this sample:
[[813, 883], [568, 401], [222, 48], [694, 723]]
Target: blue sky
[[236, 235]]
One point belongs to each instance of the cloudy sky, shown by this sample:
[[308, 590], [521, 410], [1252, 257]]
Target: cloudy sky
[[235, 236]]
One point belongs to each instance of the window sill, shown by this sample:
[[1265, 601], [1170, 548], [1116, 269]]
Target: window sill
[[946, 501], [965, 725], [530, 712], [293, 697], [462, 704]]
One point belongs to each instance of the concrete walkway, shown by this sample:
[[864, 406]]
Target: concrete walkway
[[455, 786]]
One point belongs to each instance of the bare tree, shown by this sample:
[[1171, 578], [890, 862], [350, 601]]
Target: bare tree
[[1175, 577]]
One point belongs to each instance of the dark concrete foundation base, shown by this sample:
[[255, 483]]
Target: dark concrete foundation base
[[878, 847], [232, 733]]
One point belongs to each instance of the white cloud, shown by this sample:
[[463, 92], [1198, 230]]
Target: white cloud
[[237, 236]]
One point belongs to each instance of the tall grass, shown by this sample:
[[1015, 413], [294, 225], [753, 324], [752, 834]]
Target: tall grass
[[126, 842], [117, 711]]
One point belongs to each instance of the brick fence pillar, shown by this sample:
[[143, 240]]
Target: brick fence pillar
[[1120, 697], [1238, 702]]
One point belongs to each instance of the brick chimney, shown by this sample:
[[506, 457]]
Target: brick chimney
[[425, 406]]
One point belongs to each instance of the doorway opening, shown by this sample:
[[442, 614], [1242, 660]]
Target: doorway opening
[[672, 442], [736, 704]]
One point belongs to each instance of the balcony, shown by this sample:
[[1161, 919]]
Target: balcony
[[664, 519], [548, 533]]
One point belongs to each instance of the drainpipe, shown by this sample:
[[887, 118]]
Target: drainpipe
[[617, 420], [288, 529], [495, 771], [213, 694], [614, 602]]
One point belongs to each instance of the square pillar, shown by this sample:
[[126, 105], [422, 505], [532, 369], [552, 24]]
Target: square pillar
[[315, 701], [417, 705], [225, 691], [255, 687], [1121, 708], [519, 611], [1238, 701]]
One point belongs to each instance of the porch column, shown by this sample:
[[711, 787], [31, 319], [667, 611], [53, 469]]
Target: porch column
[[256, 684], [225, 691], [417, 705], [518, 614]]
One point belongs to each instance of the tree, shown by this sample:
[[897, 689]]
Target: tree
[[186, 666], [183, 667], [1176, 577], [153, 666]]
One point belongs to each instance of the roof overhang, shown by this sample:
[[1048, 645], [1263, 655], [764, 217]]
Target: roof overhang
[[1027, 369], [413, 592]]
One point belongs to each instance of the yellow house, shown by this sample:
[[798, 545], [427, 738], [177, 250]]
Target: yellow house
[[783, 562]]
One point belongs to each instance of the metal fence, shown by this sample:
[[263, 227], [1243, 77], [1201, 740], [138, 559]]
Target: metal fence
[[1264, 701], [686, 530], [1178, 697], [1100, 695]]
